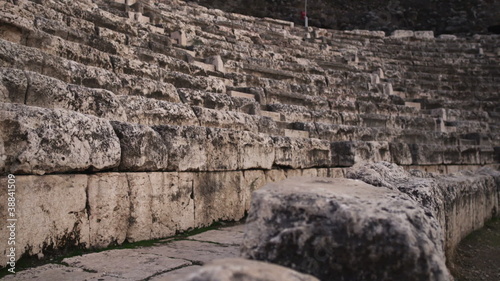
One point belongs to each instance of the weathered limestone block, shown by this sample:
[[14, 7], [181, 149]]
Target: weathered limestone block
[[53, 272], [423, 154], [218, 196], [255, 151], [226, 119], [80, 74], [400, 153], [43, 91], [241, 269], [252, 180], [222, 148], [470, 154], [209, 84], [160, 204], [487, 155], [40, 141], [13, 55], [461, 202], [217, 62], [124, 264], [145, 111], [142, 148], [218, 101], [452, 155], [415, 123], [334, 132], [275, 175], [179, 37], [292, 113], [186, 146], [343, 228], [402, 33], [348, 153], [51, 214], [268, 126], [109, 208], [57, 46], [140, 68], [301, 153], [13, 85], [426, 34], [68, 71]]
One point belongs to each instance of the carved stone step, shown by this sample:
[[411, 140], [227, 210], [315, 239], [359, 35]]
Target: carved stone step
[[241, 95], [191, 53], [276, 116], [205, 66], [296, 133], [416, 105]]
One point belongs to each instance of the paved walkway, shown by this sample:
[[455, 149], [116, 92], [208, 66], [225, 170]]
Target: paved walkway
[[163, 261]]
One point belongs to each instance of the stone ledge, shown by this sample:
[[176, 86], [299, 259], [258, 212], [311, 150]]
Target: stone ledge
[[344, 228]]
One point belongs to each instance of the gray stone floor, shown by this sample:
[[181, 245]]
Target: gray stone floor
[[164, 261]]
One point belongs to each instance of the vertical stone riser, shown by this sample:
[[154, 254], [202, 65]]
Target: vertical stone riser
[[58, 212]]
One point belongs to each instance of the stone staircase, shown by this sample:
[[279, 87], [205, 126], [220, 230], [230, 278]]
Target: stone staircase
[[165, 117]]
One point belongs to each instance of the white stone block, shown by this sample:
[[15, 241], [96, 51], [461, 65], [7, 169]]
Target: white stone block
[[402, 33], [427, 34]]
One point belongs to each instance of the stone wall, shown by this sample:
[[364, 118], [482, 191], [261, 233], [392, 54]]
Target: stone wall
[[90, 211]]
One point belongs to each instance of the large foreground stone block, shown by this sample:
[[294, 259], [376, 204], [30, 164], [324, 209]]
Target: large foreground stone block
[[39, 141], [340, 229], [460, 202], [240, 269]]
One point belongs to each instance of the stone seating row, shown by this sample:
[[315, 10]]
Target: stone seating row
[[113, 145], [216, 110]]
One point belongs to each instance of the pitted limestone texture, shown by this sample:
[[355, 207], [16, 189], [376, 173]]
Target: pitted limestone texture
[[344, 229]]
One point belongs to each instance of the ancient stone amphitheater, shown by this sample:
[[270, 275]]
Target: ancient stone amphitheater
[[134, 120]]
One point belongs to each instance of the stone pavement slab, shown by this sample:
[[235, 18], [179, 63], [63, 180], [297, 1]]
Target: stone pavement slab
[[227, 236], [129, 264], [194, 251], [53, 272], [165, 261], [176, 274]]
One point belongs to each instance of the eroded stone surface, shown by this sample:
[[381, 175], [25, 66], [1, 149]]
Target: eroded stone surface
[[161, 205], [225, 236], [345, 228], [195, 251], [175, 275], [39, 141], [218, 196], [109, 208], [54, 272], [460, 202], [142, 148], [241, 269], [128, 264]]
